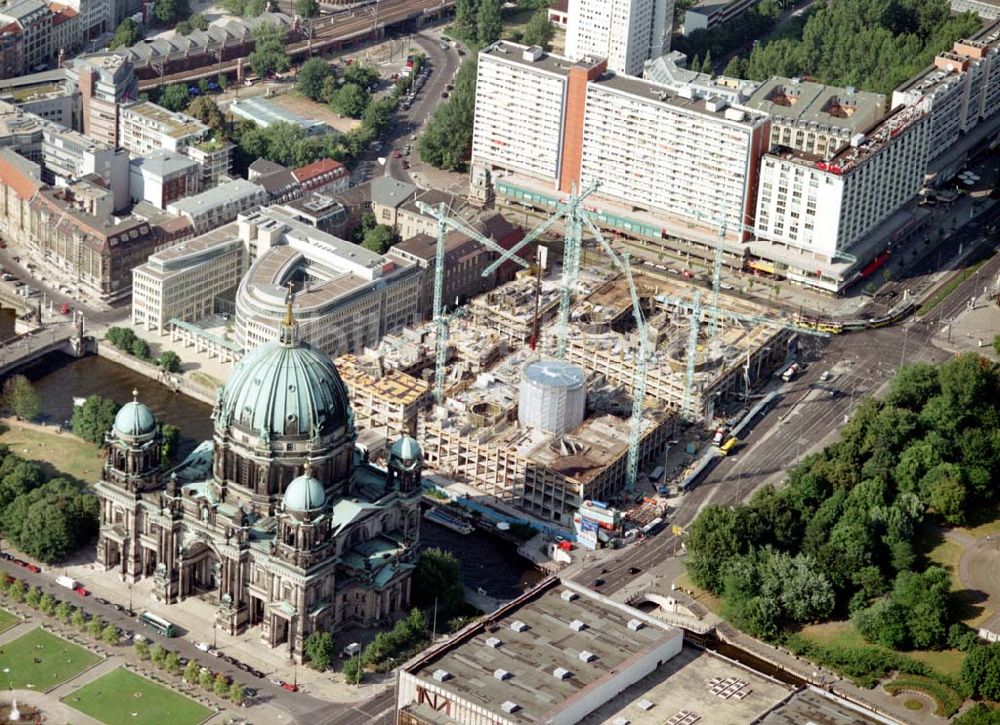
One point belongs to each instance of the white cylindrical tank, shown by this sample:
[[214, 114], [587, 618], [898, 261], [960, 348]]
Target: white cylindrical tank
[[553, 396]]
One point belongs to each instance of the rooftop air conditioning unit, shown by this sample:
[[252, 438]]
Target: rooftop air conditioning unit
[[569, 595], [518, 626], [501, 674], [577, 626], [441, 675], [586, 656], [561, 673], [493, 642], [510, 707], [635, 625]]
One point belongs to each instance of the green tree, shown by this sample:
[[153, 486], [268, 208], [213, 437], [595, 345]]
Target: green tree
[[198, 21], [141, 648], [169, 361], [50, 521], [980, 671], [350, 100], [79, 620], [312, 76], [17, 477], [539, 30], [269, 54], [735, 68], [94, 418], [126, 34], [206, 680], [206, 110], [320, 650], [172, 663], [996, 344], [379, 239], [220, 686], [157, 654], [307, 8], [109, 635], [948, 498], [706, 64], [192, 672], [21, 397], [361, 74], [33, 597], [489, 24], [437, 578], [378, 115], [237, 693], [354, 671], [47, 604], [447, 141], [140, 349], [175, 97], [64, 611], [95, 627], [465, 19], [171, 435], [168, 10]]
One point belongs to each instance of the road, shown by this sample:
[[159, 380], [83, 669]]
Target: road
[[303, 707]]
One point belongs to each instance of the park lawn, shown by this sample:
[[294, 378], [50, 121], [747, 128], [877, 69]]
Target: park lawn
[[706, 599], [947, 555], [844, 635], [40, 661], [59, 454], [122, 697], [7, 620]]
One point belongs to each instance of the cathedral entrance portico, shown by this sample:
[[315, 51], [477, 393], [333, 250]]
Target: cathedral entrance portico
[[201, 568]]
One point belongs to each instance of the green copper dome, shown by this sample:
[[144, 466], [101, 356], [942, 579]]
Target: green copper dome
[[134, 419], [304, 494], [406, 449], [285, 389]]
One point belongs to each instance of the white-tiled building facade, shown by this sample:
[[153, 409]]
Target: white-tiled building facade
[[626, 32]]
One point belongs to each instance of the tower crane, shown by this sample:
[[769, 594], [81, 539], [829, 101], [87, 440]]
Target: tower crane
[[695, 309], [639, 386], [723, 223], [441, 320], [575, 214]]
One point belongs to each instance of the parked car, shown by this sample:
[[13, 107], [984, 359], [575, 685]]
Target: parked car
[[33, 568], [397, 154], [290, 687], [203, 646], [82, 591], [825, 376], [597, 583], [634, 570]]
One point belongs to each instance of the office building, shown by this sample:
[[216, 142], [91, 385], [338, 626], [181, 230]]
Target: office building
[[163, 177], [219, 205], [67, 32], [347, 298], [706, 14], [215, 157], [320, 211], [145, 127], [104, 81], [68, 156], [960, 90], [182, 282], [666, 159], [823, 207], [625, 32], [32, 21]]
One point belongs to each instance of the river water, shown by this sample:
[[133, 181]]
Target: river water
[[487, 562]]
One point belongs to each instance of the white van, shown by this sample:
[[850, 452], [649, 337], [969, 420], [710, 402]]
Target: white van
[[351, 650]]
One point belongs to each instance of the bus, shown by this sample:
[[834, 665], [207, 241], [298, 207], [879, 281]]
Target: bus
[[653, 527], [159, 624], [727, 447]]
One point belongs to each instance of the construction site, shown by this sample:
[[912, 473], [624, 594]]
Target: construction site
[[566, 385]]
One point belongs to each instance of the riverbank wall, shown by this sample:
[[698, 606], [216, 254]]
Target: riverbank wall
[[177, 382]]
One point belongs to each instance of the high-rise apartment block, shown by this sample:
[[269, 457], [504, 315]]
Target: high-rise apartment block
[[545, 124], [626, 32], [960, 90]]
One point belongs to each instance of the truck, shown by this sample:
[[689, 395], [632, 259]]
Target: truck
[[67, 582], [790, 372], [663, 490], [720, 435]]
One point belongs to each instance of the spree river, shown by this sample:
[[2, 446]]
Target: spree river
[[487, 562]]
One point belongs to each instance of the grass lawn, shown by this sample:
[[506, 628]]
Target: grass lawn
[[947, 555], [60, 454], [843, 634], [40, 661], [124, 698], [709, 601], [7, 620]]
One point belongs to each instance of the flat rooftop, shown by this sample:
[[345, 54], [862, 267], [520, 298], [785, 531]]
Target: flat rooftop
[[716, 689], [810, 706], [265, 112], [546, 643], [643, 89], [174, 125], [805, 102], [179, 257]]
